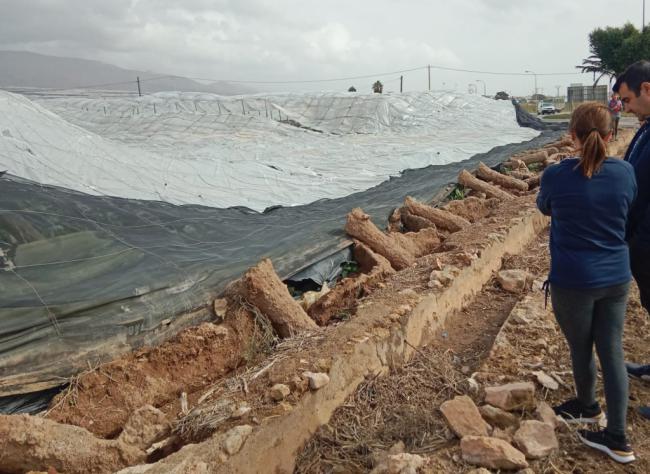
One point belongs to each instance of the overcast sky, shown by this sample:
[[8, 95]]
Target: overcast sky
[[290, 40]]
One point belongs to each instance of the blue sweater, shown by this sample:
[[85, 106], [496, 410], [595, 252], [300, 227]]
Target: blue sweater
[[588, 223], [638, 155]]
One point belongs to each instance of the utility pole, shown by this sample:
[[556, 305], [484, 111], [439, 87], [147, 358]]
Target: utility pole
[[557, 94], [484, 88], [429, 68], [139, 91], [535, 76], [643, 19], [401, 83]]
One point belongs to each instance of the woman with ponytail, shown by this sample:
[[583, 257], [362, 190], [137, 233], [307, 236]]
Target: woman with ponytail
[[588, 198]]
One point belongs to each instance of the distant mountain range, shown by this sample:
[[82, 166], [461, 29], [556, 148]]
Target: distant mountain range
[[21, 69]]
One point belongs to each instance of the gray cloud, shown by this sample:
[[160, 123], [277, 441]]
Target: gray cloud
[[290, 39]]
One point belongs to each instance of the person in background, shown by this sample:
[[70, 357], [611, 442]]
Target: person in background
[[589, 198], [615, 106], [633, 86]]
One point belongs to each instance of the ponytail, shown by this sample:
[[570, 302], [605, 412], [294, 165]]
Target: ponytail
[[591, 122], [594, 152]]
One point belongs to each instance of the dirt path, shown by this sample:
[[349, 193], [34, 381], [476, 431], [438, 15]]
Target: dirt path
[[403, 407]]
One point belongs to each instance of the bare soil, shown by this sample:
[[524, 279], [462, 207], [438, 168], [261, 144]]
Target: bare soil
[[102, 399]]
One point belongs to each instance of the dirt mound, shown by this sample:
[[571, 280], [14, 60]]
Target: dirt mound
[[102, 399], [472, 208], [32, 443]]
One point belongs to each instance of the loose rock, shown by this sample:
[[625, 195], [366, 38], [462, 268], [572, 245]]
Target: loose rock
[[234, 439], [472, 385], [463, 417], [546, 380], [535, 439], [404, 463], [498, 417], [145, 426], [317, 379], [279, 391], [515, 281], [491, 453], [545, 414], [512, 396]]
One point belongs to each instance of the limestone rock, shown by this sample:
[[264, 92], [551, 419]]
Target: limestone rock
[[498, 417], [536, 439], [444, 276], [512, 396], [463, 417], [514, 281], [317, 379], [491, 453], [398, 463], [472, 385], [404, 463], [145, 426], [234, 438], [220, 307], [279, 392], [545, 414], [546, 380]]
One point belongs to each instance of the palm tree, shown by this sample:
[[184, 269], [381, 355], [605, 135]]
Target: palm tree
[[595, 65]]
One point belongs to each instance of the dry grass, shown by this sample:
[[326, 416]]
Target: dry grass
[[384, 411], [70, 394], [264, 338], [214, 408]]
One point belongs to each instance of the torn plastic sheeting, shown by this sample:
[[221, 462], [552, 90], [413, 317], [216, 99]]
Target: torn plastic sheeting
[[327, 269], [220, 152], [87, 278]]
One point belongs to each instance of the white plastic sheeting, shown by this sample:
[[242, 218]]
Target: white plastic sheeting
[[253, 151]]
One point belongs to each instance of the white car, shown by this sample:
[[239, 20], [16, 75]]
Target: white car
[[545, 107]]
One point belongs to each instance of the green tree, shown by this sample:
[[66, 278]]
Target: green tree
[[502, 95], [613, 49], [352, 89], [378, 87]]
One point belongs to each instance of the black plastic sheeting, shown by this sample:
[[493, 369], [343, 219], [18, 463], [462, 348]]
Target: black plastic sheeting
[[531, 121], [85, 278]]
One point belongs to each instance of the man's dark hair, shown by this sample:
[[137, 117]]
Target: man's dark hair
[[634, 76]]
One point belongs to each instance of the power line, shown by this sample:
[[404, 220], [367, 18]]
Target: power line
[[368, 76], [496, 73], [92, 86], [310, 81]]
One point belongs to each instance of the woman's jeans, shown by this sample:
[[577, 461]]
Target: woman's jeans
[[596, 316]]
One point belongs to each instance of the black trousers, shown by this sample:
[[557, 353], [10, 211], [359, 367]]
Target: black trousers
[[640, 262]]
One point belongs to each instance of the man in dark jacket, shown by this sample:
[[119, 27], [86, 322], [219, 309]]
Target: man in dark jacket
[[633, 86]]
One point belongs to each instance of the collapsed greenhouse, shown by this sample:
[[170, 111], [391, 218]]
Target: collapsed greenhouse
[[124, 221]]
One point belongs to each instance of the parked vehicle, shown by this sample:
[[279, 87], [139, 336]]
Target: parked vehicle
[[545, 107]]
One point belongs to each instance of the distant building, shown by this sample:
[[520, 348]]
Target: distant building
[[582, 93]]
